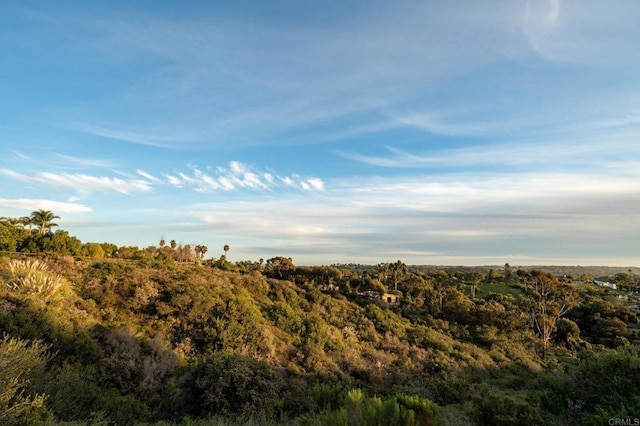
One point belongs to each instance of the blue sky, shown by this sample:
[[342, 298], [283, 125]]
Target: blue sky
[[433, 132]]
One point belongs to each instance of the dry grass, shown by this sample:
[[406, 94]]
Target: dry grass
[[33, 277]]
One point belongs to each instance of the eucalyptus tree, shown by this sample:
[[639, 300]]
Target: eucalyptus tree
[[547, 300]]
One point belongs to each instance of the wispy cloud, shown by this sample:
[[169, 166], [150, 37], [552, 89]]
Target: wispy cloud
[[313, 184], [209, 81], [33, 204], [148, 176], [63, 161], [567, 32], [81, 183], [86, 163], [215, 77], [237, 176], [434, 122], [558, 154], [135, 136], [22, 156]]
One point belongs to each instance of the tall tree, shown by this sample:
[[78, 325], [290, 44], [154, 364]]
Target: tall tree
[[226, 249], [398, 272], [548, 301], [279, 267], [44, 220], [508, 272]]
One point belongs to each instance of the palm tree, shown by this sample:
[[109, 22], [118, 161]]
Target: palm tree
[[203, 250], [226, 249], [162, 243], [11, 221], [44, 219], [27, 221]]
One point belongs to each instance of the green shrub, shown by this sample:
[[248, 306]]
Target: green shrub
[[398, 410], [629, 410], [19, 361], [73, 391], [233, 385], [495, 410]]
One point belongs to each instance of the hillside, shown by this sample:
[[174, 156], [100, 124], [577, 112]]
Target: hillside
[[148, 339]]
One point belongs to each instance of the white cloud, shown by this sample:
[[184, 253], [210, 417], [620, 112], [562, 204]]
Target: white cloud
[[286, 180], [82, 183], [226, 183], [173, 180], [148, 176], [239, 176], [313, 184], [33, 204]]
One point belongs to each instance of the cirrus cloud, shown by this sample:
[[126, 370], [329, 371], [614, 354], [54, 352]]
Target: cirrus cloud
[[82, 183]]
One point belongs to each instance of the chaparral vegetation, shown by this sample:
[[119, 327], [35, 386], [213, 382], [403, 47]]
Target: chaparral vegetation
[[93, 333]]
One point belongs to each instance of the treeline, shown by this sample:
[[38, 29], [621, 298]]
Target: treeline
[[34, 234]]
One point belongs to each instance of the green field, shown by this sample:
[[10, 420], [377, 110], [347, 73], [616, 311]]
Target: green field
[[484, 289]]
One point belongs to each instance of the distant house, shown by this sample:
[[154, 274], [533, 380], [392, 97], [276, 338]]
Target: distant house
[[387, 298], [390, 298], [606, 284], [370, 294]]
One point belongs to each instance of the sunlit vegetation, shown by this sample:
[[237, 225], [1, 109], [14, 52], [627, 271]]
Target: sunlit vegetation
[[99, 334]]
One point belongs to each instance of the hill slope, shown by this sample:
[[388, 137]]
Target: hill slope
[[134, 342]]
